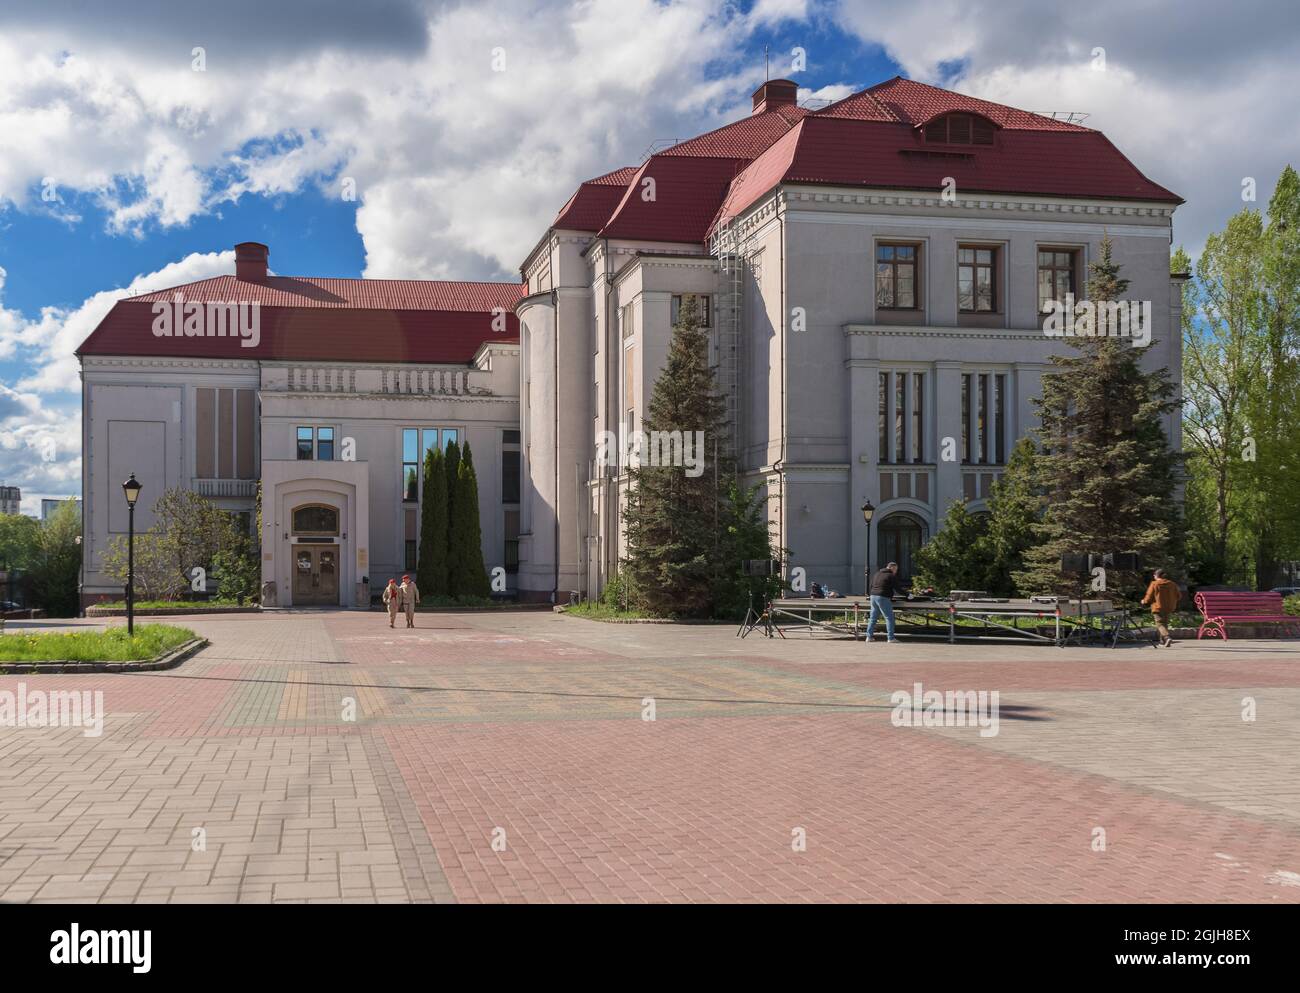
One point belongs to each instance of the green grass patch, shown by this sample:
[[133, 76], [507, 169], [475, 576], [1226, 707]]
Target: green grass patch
[[113, 645], [172, 604], [596, 611]]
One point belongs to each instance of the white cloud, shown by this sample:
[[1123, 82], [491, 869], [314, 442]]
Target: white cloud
[[40, 416], [1197, 101]]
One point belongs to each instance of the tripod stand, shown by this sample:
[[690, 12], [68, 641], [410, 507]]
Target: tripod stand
[[754, 619]]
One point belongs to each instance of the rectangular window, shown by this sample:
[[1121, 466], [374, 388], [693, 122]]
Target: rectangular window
[[410, 466], [896, 277], [900, 417], [625, 319], [304, 444], [965, 417], [450, 436], [510, 476], [1055, 276], [325, 444], [975, 280], [410, 556], [512, 540], [1000, 418], [881, 415], [918, 394], [430, 438], [983, 401], [510, 437], [701, 303]]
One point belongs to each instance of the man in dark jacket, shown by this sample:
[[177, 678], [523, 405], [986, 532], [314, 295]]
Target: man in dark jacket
[[884, 586]]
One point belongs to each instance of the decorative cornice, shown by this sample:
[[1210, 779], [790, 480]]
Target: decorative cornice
[[162, 362], [931, 331], [931, 198]]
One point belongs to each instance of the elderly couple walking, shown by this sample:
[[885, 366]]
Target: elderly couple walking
[[403, 597]]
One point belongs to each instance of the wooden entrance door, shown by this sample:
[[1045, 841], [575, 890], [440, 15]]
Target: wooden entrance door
[[315, 575]]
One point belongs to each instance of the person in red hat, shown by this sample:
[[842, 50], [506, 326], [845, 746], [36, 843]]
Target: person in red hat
[[410, 596], [392, 600]]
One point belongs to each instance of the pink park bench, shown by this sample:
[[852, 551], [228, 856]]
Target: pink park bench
[[1221, 608]]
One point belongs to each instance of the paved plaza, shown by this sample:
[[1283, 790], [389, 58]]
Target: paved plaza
[[322, 757]]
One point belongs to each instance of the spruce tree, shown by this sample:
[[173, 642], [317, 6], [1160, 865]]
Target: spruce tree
[[1105, 471], [431, 576], [956, 557], [678, 562], [1014, 509], [468, 576]]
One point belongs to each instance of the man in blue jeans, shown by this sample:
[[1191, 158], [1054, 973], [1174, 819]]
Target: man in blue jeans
[[884, 586]]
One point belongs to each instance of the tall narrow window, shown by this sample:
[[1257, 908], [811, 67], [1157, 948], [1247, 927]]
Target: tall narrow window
[[1000, 419], [975, 280], [965, 417], [450, 436], [325, 444], [1055, 276], [896, 277], [882, 415], [984, 417], [900, 417], [304, 444], [410, 465], [430, 436], [918, 395]]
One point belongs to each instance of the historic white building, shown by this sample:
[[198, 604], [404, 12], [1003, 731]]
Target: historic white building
[[874, 276]]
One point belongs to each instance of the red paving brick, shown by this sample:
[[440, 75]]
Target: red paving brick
[[532, 724]]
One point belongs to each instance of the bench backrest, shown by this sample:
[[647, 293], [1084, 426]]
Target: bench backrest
[[1215, 603]]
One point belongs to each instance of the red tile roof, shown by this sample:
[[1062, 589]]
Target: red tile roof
[[855, 143], [590, 206], [322, 320], [381, 294], [687, 191], [910, 102], [743, 139]]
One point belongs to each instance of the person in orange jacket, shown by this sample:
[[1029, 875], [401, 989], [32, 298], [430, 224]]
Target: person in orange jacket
[[1163, 596]]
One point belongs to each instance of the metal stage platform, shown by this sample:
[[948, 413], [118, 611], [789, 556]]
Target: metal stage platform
[[1061, 623]]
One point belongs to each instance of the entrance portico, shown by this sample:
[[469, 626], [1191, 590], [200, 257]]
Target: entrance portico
[[315, 533]]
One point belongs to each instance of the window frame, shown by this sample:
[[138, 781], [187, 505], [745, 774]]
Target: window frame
[[675, 305], [975, 266], [1072, 269], [893, 264]]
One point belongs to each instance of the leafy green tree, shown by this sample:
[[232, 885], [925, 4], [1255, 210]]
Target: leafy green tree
[[1106, 471], [18, 538], [431, 576], [468, 577], [746, 535], [956, 558], [55, 565]]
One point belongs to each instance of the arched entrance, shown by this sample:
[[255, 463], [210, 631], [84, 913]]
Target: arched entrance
[[898, 537], [315, 531]]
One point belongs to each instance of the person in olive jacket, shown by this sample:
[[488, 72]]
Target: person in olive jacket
[[884, 586]]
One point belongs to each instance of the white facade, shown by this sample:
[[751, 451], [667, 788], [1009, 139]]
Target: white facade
[[812, 349], [145, 415]]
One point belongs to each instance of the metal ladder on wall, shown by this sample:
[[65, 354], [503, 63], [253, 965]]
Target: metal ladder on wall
[[732, 263]]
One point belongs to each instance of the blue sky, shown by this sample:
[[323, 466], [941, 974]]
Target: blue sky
[[160, 167]]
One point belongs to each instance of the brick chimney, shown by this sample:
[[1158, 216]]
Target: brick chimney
[[250, 261], [775, 93]]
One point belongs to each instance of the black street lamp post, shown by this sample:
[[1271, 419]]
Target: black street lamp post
[[868, 512], [132, 490]]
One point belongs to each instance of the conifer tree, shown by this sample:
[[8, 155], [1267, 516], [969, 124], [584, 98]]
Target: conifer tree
[[956, 558], [681, 556], [1105, 471], [1014, 509], [434, 527], [468, 577]]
